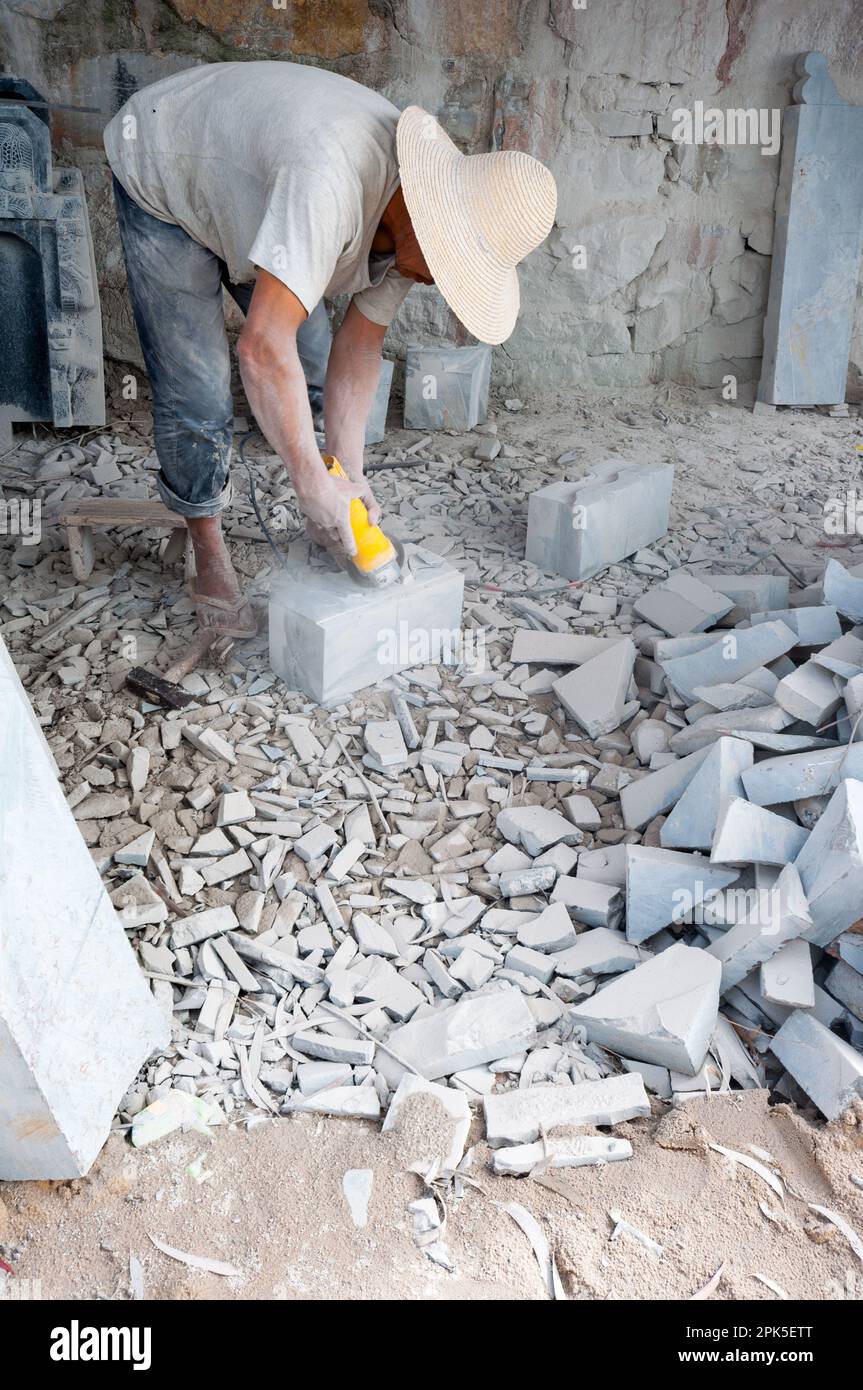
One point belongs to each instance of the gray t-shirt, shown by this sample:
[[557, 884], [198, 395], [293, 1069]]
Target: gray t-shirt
[[269, 164]]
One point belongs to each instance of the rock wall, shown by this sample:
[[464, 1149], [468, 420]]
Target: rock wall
[[658, 266]]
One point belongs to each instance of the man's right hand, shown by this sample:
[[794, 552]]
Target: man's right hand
[[326, 501]]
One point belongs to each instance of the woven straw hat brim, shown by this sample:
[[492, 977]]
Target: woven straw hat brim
[[478, 284]]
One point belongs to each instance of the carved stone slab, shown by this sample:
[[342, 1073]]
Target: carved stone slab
[[816, 245]]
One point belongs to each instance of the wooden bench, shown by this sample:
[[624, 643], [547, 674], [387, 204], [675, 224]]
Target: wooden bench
[[79, 518]]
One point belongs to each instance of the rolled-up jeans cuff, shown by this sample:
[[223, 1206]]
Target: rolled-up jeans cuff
[[195, 509]]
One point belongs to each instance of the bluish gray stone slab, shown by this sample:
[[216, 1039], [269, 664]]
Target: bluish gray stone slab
[[575, 529], [816, 244], [330, 637], [692, 823], [377, 422], [829, 1070], [830, 865], [446, 388]]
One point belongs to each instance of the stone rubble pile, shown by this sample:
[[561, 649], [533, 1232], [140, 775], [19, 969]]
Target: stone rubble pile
[[619, 856]]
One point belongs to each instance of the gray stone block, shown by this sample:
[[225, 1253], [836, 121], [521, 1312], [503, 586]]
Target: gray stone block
[[376, 424], [563, 1151], [656, 793], [799, 775], [595, 694], [330, 637], [663, 1011], [521, 1117], [844, 657], [598, 952], [575, 529], [830, 865], [815, 626], [556, 648], [829, 1070], [786, 978], [810, 693], [594, 904], [749, 592], [844, 590], [446, 388], [732, 656], [664, 886], [747, 834], [846, 984], [77, 1018], [692, 823], [816, 244], [478, 1029], [535, 828], [772, 917]]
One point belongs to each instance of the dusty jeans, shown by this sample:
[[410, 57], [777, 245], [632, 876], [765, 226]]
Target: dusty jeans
[[176, 291]]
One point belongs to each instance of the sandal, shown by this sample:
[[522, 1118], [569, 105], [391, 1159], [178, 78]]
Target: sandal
[[216, 613]]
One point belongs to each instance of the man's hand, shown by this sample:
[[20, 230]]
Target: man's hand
[[326, 502]]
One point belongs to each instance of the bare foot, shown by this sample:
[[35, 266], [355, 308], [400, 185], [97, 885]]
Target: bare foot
[[218, 597]]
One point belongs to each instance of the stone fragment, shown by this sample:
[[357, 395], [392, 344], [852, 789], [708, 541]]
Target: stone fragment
[[444, 1144], [595, 694], [575, 529], [771, 917], [551, 930], [594, 904], [844, 657], [138, 767], [326, 1047], [385, 743], [663, 1011], [372, 938], [523, 1116], [137, 851], [474, 1030], [663, 886], [786, 978], [137, 903], [730, 657], [828, 1069], [810, 693], [471, 969], [234, 808], [582, 812], [815, 626], [535, 828], [830, 864], [747, 834], [315, 843], [202, 925], [525, 961], [557, 648], [561, 1151], [800, 775], [651, 796], [598, 952], [692, 823], [517, 883], [361, 1102], [845, 983], [210, 743]]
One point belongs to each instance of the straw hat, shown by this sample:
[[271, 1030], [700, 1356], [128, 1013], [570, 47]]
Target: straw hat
[[475, 217]]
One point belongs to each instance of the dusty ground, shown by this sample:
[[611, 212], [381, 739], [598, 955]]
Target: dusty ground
[[272, 1204], [273, 1207]]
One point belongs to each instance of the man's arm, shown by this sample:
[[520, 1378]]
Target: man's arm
[[352, 379], [276, 388]]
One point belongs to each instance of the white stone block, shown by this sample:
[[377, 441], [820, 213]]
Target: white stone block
[[771, 917], [330, 637], [77, 1018], [655, 794], [535, 828], [799, 775], [577, 528], [521, 1117], [598, 952], [595, 694], [732, 656], [594, 904], [786, 978], [663, 1011]]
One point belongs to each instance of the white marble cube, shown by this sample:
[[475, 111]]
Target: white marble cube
[[446, 388], [575, 529], [77, 1018], [329, 636]]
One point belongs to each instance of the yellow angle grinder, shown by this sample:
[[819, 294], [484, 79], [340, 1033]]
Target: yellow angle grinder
[[376, 562]]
